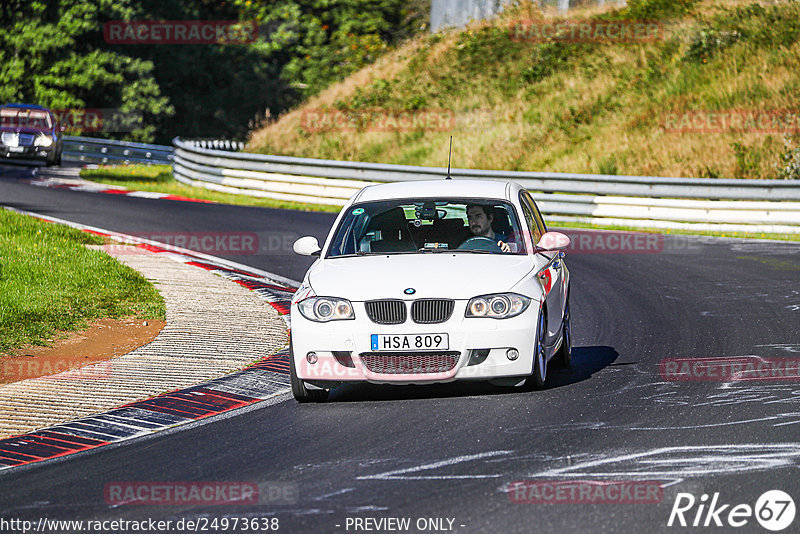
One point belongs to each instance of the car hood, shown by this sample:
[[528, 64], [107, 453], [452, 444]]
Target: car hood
[[442, 275]]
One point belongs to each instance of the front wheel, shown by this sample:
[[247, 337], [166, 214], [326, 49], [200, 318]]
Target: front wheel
[[539, 375], [564, 354], [299, 390]]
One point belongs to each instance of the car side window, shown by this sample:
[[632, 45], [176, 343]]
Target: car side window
[[535, 210], [344, 242], [530, 220], [537, 214]]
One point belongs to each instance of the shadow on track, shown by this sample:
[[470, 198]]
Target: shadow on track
[[585, 362]]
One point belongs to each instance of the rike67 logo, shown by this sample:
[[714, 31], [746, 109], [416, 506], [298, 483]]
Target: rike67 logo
[[774, 510]]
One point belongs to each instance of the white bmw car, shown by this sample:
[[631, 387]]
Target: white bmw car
[[429, 282]]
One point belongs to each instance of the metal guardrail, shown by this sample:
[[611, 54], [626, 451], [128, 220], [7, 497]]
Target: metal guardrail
[[95, 150], [219, 144], [692, 203]]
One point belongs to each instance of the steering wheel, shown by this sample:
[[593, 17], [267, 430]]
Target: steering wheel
[[480, 243]]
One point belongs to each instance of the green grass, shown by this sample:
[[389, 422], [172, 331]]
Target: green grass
[[50, 283], [158, 178]]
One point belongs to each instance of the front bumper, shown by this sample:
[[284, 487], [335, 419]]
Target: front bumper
[[27, 152], [339, 344]]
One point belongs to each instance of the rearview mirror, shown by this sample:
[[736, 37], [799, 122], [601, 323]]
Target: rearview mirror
[[552, 241], [307, 246]]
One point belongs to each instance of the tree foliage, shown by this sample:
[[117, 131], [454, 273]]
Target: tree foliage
[[320, 41], [53, 53]]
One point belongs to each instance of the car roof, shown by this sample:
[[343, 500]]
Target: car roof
[[439, 188], [24, 106]]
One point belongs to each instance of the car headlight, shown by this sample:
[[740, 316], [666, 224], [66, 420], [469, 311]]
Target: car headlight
[[324, 309], [43, 140], [497, 306], [303, 292]]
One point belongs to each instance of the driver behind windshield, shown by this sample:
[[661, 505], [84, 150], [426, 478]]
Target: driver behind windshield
[[480, 218]]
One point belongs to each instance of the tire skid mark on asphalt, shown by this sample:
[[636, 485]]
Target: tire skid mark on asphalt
[[682, 462], [262, 380], [409, 473]]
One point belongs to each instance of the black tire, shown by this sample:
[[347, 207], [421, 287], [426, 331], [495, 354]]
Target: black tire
[[564, 354], [538, 376], [299, 390]]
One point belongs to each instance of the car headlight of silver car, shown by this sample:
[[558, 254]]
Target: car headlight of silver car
[[43, 140], [324, 309], [497, 305]]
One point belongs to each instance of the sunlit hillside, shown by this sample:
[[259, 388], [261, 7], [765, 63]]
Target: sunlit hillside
[[715, 92]]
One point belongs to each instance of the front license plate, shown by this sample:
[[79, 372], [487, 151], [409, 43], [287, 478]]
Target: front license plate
[[388, 342], [16, 149]]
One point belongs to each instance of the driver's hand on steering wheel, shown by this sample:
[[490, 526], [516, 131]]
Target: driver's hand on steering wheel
[[504, 246]]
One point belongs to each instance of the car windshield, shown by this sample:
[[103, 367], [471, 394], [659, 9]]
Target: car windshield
[[34, 119], [424, 226]]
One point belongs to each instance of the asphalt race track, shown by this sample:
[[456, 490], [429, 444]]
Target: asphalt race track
[[450, 452]]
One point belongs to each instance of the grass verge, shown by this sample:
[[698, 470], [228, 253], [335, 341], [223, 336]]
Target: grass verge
[[50, 283], [158, 178]]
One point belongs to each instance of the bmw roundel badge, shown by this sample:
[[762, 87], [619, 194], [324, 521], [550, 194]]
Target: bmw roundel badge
[[409, 291]]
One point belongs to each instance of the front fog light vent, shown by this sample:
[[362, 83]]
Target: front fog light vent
[[344, 358], [478, 356]]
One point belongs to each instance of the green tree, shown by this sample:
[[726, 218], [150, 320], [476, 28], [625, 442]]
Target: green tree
[[320, 41], [52, 53], [217, 90]]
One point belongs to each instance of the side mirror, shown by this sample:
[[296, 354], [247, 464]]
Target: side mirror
[[307, 246], [552, 241]]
